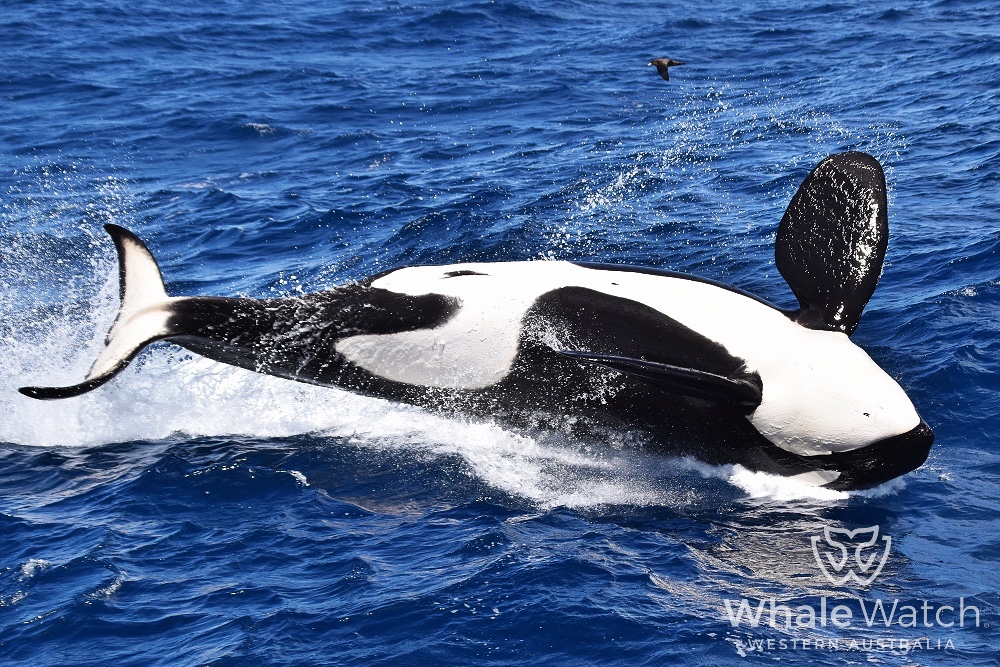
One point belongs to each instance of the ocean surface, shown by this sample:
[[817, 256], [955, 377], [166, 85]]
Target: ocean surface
[[191, 513]]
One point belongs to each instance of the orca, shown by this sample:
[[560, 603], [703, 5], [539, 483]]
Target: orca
[[694, 367]]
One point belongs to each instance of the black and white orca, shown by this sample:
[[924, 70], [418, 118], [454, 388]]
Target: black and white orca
[[697, 367]]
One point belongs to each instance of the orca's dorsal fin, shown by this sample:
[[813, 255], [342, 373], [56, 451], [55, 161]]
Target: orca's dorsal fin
[[742, 393], [832, 241]]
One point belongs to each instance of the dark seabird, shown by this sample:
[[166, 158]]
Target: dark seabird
[[662, 64]]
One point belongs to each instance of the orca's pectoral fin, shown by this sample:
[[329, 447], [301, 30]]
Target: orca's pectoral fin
[[743, 393], [832, 241]]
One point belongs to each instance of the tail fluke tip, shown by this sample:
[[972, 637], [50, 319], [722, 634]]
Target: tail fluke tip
[[51, 393]]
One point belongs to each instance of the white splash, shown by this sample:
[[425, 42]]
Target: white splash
[[52, 338], [775, 487]]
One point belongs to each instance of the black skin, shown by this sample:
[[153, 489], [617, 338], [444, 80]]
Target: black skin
[[295, 338]]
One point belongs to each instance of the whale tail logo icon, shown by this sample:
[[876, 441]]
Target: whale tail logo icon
[[845, 554]]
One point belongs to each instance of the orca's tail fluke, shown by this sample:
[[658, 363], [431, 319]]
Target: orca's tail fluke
[[144, 316]]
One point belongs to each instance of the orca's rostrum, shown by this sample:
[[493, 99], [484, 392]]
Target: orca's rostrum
[[701, 368]]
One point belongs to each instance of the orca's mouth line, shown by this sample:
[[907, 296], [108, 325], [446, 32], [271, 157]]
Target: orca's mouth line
[[881, 461]]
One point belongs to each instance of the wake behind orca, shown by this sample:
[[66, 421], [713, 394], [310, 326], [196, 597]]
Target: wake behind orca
[[699, 368]]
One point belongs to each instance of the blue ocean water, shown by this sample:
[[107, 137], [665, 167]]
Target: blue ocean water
[[190, 513]]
